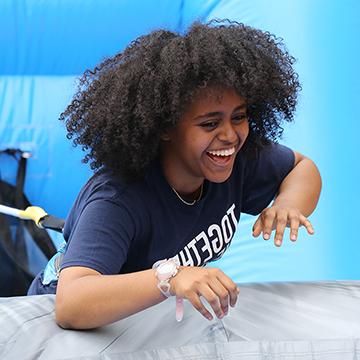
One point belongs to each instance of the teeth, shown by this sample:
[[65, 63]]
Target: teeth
[[226, 152]]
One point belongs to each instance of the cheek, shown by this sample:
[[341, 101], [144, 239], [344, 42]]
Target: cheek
[[200, 143]]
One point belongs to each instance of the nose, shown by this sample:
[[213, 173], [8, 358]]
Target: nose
[[227, 132]]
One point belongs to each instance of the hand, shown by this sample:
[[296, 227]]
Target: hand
[[277, 218], [211, 283]]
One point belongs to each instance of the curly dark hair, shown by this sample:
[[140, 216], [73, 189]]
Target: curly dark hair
[[123, 106]]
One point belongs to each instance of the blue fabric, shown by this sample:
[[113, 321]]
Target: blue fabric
[[115, 227], [38, 288], [66, 37]]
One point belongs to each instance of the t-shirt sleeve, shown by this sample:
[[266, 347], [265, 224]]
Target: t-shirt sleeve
[[100, 238], [263, 176]]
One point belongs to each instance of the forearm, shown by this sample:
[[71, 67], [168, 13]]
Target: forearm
[[301, 187], [96, 300]]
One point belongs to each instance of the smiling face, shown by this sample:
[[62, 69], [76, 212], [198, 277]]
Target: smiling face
[[204, 143]]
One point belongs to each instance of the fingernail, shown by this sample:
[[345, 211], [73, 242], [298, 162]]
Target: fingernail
[[221, 316], [209, 317], [277, 242], [293, 237], [266, 236]]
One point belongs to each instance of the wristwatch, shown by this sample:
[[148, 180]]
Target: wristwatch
[[165, 270]]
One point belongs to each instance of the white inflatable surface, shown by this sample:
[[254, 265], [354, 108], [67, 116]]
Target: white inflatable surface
[[277, 321]]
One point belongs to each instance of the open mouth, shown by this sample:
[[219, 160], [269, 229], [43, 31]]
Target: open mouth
[[221, 157]]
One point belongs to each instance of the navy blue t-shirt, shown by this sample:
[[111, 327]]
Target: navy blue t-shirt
[[116, 227]]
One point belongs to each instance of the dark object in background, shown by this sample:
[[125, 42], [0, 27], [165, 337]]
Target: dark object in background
[[16, 236]]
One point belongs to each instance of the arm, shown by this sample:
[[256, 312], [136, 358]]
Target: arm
[[86, 299], [297, 198], [301, 188]]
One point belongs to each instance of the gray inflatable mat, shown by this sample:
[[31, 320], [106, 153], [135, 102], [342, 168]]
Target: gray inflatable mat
[[277, 321]]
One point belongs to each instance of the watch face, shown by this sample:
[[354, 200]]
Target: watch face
[[166, 268]]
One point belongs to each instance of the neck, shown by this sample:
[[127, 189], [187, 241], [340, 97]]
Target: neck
[[191, 197], [186, 185], [188, 201]]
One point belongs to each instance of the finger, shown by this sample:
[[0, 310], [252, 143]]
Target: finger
[[199, 306], [305, 222], [257, 227], [233, 293], [281, 221], [268, 219], [232, 289], [213, 299], [222, 293], [294, 227]]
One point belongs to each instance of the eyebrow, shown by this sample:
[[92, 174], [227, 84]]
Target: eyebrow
[[219, 113]]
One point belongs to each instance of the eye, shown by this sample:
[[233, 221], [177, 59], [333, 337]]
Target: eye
[[239, 118], [211, 124]]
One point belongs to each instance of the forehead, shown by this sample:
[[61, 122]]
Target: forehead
[[212, 99]]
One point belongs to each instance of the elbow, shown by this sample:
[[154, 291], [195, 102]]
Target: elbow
[[317, 185], [314, 185], [73, 309], [64, 324], [63, 317], [73, 316], [68, 316]]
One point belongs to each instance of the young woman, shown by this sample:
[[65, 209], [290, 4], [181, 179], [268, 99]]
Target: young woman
[[181, 130]]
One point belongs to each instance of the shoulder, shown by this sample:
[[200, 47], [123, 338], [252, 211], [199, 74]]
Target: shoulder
[[106, 193], [109, 186], [271, 155]]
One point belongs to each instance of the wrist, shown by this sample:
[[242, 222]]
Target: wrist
[[165, 271]]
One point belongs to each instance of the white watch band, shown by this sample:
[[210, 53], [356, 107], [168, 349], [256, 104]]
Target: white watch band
[[165, 270], [164, 287]]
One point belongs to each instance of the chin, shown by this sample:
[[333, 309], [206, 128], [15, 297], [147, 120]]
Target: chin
[[219, 178]]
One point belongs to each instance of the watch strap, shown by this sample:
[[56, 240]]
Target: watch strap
[[163, 282]]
